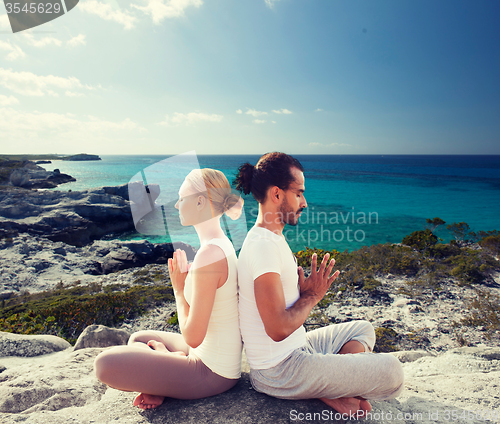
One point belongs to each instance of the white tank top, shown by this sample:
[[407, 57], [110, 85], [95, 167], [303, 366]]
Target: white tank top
[[221, 348]]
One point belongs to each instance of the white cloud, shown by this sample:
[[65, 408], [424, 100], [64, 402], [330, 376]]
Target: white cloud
[[239, 111], [255, 113], [259, 121], [29, 84], [15, 51], [40, 42], [270, 3], [4, 22], [283, 111], [20, 126], [316, 144], [73, 94], [162, 9], [76, 41], [107, 12], [319, 110], [273, 122], [7, 101], [190, 118]]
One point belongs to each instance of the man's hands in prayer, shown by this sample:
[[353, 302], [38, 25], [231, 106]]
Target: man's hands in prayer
[[319, 281]]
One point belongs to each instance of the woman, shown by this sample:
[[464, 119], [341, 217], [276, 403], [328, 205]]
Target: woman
[[205, 359]]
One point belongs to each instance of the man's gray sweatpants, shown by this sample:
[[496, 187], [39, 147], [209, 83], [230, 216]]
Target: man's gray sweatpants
[[318, 371]]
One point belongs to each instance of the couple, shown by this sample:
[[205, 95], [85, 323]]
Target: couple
[[333, 363]]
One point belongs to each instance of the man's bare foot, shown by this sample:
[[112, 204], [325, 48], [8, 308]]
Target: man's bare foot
[[145, 401], [357, 407], [153, 344]]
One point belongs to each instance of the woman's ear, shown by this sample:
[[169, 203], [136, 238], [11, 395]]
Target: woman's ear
[[201, 202]]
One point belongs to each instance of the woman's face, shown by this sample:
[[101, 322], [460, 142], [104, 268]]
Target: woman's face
[[189, 205]]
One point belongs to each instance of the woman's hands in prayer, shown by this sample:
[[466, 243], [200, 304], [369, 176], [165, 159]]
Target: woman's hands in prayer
[[178, 269]]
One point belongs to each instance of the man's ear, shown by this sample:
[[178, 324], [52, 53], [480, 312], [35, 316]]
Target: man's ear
[[275, 194]]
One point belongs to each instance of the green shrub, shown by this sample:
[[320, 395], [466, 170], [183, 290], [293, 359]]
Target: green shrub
[[420, 240], [403, 261], [371, 284], [149, 274], [442, 251], [491, 244], [304, 256], [386, 340], [471, 266], [174, 319], [461, 232], [434, 223]]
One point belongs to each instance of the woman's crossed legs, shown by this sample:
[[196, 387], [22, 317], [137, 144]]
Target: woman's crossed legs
[[166, 371]]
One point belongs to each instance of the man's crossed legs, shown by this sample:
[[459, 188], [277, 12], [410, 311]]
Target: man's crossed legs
[[343, 381]]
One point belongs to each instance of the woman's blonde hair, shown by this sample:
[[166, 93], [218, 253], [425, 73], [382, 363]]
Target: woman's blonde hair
[[214, 185]]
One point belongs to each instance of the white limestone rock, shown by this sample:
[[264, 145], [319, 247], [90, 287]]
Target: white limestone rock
[[28, 346]]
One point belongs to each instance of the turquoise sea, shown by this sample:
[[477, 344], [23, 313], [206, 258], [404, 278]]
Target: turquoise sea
[[353, 200]]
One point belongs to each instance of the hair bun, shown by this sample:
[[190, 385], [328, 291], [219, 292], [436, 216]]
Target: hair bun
[[228, 203], [233, 205], [244, 178]]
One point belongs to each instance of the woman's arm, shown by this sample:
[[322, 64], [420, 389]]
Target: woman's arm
[[208, 272]]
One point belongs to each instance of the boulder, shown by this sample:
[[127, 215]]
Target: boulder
[[19, 177], [30, 345], [101, 336], [137, 253], [59, 381]]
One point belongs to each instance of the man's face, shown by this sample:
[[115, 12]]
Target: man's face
[[293, 201]]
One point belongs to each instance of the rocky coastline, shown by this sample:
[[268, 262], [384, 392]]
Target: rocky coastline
[[73, 217], [28, 175], [51, 238]]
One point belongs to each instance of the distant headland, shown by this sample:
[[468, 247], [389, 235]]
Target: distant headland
[[78, 157]]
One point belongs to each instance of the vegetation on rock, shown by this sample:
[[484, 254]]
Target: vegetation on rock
[[66, 311], [426, 266]]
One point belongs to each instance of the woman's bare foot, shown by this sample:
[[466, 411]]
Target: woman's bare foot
[[145, 401], [153, 344], [349, 405]]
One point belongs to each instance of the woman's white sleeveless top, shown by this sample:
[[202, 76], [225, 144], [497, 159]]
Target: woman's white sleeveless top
[[221, 349]]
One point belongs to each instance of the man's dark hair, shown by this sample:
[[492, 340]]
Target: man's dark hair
[[272, 169]]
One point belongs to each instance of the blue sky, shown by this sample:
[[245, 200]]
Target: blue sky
[[251, 76]]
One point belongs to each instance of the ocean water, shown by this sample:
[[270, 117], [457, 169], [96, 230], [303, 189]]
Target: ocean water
[[353, 200]]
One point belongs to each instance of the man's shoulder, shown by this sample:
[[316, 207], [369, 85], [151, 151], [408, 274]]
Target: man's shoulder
[[259, 237]]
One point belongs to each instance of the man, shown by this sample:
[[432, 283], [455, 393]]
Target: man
[[275, 299]]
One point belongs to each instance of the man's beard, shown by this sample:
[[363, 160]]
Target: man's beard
[[288, 216]]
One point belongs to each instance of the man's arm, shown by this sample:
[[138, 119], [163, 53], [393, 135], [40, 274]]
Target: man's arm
[[279, 321]]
